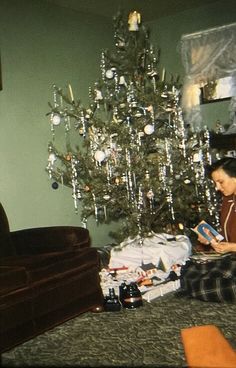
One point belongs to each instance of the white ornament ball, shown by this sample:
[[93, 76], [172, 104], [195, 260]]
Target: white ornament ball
[[109, 74], [150, 194], [149, 129], [99, 156], [106, 197], [56, 119], [197, 157], [187, 181]]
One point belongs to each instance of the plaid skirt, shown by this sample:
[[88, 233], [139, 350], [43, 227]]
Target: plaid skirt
[[213, 281]]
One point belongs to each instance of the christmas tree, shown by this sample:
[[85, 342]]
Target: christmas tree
[[133, 159]]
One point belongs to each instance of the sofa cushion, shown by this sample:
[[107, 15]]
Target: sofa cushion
[[55, 279], [61, 264], [46, 262], [49, 239], [12, 278], [63, 290]]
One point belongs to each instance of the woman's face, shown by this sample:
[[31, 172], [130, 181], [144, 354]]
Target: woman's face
[[224, 183]]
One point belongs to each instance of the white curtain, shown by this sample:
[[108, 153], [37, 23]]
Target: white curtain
[[206, 56]]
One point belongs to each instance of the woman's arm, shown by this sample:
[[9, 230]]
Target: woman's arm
[[223, 247]]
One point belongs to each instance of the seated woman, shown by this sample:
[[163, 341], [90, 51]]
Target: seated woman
[[216, 280]]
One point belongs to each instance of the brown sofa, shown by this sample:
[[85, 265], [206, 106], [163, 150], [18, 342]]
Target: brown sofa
[[47, 276]]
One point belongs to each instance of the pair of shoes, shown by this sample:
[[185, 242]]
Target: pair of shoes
[[130, 295], [112, 302]]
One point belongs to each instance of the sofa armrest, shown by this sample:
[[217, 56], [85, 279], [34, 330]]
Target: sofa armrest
[[49, 239]]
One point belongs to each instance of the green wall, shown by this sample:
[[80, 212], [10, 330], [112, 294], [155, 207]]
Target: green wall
[[42, 44]]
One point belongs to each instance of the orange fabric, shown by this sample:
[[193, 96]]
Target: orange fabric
[[206, 347]]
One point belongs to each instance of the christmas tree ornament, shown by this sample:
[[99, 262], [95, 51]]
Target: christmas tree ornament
[[55, 185], [56, 96], [88, 114], [106, 197], [150, 194], [147, 175], [133, 104], [52, 158], [134, 21], [109, 74], [150, 108], [181, 226], [79, 195], [149, 129], [82, 130], [103, 65], [55, 119], [197, 157], [151, 73], [71, 93], [164, 94], [163, 75], [67, 123], [138, 114], [68, 157], [187, 181], [124, 178], [98, 95], [139, 137], [99, 156], [84, 223], [122, 81]]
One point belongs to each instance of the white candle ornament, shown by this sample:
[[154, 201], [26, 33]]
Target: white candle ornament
[[71, 93], [163, 75]]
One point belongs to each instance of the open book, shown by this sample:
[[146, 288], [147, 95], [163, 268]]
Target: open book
[[207, 231]]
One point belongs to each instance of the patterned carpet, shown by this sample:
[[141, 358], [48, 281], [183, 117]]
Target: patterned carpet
[[146, 337]]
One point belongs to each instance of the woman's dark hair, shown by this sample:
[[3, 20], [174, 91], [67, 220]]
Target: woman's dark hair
[[228, 164]]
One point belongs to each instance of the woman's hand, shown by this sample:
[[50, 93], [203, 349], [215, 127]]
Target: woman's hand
[[203, 240], [223, 247]]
